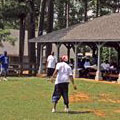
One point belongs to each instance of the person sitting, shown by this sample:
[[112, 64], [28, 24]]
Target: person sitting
[[105, 66], [87, 63], [113, 68], [87, 67], [71, 63], [105, 69]]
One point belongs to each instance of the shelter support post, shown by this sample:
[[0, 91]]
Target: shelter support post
[[68, 46], [41, 60], [58, 45], [38, 55], [75, 72], [93, 52], [118, 80], [68, 54], [98, 73]]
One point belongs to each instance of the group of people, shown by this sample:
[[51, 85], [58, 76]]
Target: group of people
[[107, 67], [64, 76]]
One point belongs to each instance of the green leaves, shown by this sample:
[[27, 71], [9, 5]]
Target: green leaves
[[14, 10], [5, 36]]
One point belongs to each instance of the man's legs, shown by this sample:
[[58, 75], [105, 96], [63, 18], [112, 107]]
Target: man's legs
[[50, 72], [56, 96], [54, 107], [65, 96], [3, 74], [60, 89]]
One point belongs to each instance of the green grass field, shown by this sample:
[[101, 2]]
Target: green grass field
[[30, 99]]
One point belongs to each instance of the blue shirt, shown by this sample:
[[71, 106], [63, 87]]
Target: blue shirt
[[4, 60]]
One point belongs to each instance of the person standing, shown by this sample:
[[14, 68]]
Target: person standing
[[4, 60], [51, 62], [64, 75]]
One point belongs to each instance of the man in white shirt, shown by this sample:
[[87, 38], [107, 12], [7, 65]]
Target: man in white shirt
[[64, 75], [51, 62], [105, 65]]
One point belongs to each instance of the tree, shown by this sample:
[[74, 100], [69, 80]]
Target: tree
[[50, 24], [31, 31], [17, 10], [85, 10], [111, 4], [41, 26], [4, 33]]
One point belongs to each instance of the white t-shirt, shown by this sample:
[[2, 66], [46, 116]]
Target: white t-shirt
[[51, 61], [87, 64], [64, 71], [105, 66]]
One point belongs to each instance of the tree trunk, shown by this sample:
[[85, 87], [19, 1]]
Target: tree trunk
[[40, 28], [50, 25], [85, 10], [31, 34], [118, 7], [61, 21], [41, 24], [21, 42], [2, 2], [97, 8], [67, 13]]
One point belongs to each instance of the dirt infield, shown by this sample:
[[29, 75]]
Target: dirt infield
[[117, 111], [99, 113], [79, 97], [107, 98], [84, 97]]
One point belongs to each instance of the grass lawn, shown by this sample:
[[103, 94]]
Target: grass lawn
[[30, 99]]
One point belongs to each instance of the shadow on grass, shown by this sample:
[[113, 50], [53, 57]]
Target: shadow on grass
[[75, 112]]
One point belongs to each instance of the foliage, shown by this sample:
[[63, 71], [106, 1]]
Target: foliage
[[14, 10], [9, 12], [5, 36], [59, 13], [109, 54]]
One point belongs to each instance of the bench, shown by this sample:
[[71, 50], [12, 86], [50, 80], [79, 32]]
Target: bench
[[91, 74], [111, 76], [15, 70], [108, 76]]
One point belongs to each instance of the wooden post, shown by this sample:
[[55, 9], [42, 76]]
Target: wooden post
[[118, 55], [98, 73], [58, 51], [75, 72], [41, 60], [68, 46], [118, 80], [93, 52], [68, 54]]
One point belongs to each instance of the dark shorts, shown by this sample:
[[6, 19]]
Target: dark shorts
[[61, 90], [50, 72]]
